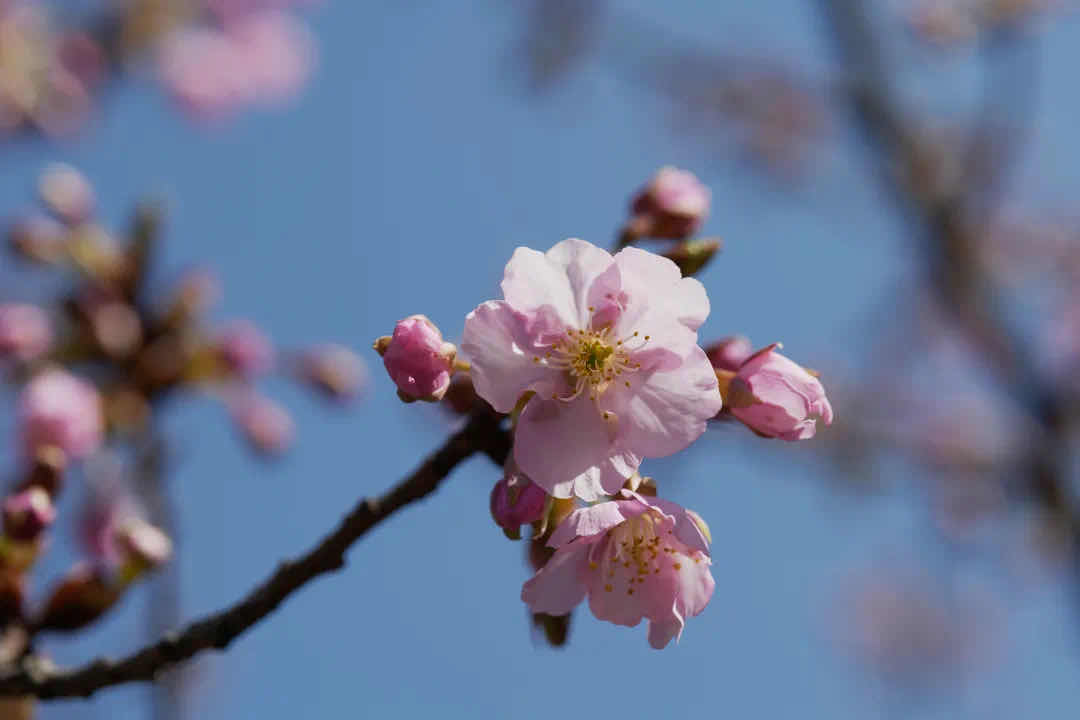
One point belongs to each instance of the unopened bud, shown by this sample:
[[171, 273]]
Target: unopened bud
[[57, 409], [141, 546], [693, 255], [39, 238], [67, 192], [244, 349], [775, 397], [28, 514], [336, 371], [516, 501], [418, 360], [729, 353], [83, 596], [25, 332], [673, 205], [267, 426]]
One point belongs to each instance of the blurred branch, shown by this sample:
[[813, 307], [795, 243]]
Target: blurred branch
[[35, 676], [913, 171]]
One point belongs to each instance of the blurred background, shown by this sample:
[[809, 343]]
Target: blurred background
[[893, 183]]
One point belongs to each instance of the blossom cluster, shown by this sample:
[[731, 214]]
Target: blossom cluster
[[94, 371], [595, 359], [213, 57]]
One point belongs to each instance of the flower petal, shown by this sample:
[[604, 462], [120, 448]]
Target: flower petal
[[558, 587], [661, 632], [564, 447], [559, 278], [660, 280], [501, 344], [668, 411]]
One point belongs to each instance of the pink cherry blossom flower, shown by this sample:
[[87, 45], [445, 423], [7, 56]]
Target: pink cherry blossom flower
[[634, 558], [418, 360], [609, 347], [264, 58], [673, 205], [516, 500], [244, 349], [777, 398], [57, 409], [25, 332]]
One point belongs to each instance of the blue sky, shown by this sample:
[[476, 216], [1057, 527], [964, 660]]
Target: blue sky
[[400, 182]]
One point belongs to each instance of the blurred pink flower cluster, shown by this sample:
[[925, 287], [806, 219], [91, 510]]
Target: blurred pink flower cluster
[[595, 359], [93, 374], [247, 53]]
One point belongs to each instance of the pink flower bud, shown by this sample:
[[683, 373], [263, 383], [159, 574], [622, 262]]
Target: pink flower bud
[[244, 349], [419, 361], [28, 514], [24, 332], [729, 353], [334, 370], [38, 238], [673, 205], [266, 426], [516, 501], [57, 409], [67, 192], [775, 397]]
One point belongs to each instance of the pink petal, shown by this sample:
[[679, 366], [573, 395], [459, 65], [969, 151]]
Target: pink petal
[[558, 587], [565, 447], [660, 279], [560, 278], [500, 343], [586, 522], [661, 632], [669, 410]]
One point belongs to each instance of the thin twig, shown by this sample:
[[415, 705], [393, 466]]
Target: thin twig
[[35, 676]]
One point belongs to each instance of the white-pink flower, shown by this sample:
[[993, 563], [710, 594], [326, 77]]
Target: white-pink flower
[[25, 332], [635, 558], [609, 347]]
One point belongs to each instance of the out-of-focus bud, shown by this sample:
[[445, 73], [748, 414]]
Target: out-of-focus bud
[[126, 409], [67, 192], [196, 291], [730, 352], [116, 328], [774, 397], [264, 424], [141, 547], [47, 471], [419, 361], [24, 332], [244, 349], [57, 409], [673, 205], [693, 255], [336, 371], [516, 501], [83, 596], [39, 238], [28, 514]]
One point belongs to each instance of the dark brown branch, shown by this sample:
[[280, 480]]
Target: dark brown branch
[[35, 676]]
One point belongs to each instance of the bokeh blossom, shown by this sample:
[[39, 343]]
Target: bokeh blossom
[[57, 409], [777, 398], [604, 351], [635, 558], [25, 332]]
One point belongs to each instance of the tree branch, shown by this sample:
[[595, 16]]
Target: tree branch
[[36, 676]]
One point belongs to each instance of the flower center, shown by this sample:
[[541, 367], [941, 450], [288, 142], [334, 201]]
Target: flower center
[[637, 549], [592, 360]]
